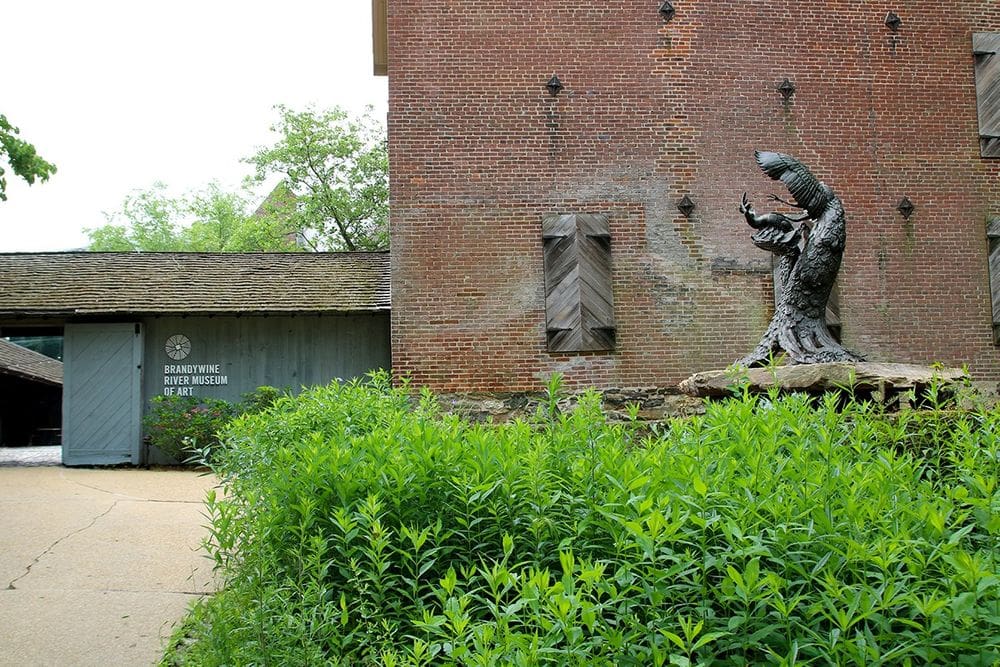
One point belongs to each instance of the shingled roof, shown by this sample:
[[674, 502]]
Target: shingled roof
[[24, 363], [104, 283]]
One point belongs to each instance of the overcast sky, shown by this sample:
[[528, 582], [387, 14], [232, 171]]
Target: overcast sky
[[122, 93]]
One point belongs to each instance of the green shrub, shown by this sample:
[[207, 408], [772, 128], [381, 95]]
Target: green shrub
[[260, 399], [180, 425], [358, 527], [187, 427]]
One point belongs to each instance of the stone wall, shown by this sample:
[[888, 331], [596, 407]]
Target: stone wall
[[653, 404], [652, 111], [658, 403]]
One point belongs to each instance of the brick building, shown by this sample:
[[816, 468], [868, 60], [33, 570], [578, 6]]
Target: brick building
[[655, 106]]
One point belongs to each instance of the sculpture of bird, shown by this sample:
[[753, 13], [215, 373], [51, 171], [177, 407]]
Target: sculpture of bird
[[798, 327]]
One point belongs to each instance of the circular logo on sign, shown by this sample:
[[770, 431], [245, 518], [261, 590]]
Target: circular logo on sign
[[178, 347]]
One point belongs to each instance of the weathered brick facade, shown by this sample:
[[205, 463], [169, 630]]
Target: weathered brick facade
[[654, 110]]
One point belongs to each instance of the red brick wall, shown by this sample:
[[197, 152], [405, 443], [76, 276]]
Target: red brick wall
[[652, 111]]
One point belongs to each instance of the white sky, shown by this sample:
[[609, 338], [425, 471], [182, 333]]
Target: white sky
[[122, 93]]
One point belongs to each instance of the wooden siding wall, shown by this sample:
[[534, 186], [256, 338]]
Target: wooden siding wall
[[282, 352]]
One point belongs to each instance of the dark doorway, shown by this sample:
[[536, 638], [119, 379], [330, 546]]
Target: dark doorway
[[30, 386], [30, 412]]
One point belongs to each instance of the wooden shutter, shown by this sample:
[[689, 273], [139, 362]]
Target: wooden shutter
[[579, 307], [986, 51], [993, 234], [380, 37]]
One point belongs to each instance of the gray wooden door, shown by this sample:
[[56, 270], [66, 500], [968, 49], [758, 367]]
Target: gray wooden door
[[102, 394]]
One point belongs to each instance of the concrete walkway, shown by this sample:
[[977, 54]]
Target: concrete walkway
[[97, 566], [49, 455]]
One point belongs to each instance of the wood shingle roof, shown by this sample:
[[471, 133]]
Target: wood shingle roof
[[98, 283], [24, 363]]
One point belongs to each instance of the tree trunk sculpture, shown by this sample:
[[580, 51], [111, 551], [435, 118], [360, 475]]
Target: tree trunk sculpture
[[798, 328]]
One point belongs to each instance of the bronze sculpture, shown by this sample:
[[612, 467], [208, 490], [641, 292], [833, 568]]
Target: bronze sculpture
[[798, 328]]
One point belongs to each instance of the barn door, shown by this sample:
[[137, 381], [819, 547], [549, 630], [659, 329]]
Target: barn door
[[102, 394]]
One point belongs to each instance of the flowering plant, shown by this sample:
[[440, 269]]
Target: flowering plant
[[178, 425]]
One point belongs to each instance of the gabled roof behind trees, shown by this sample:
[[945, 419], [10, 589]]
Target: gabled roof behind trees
[[98, 283]]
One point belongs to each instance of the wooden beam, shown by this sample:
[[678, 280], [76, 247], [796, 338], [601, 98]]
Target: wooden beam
[[380, 37]]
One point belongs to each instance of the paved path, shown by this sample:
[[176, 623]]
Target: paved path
[[48, 455], [97, 566]]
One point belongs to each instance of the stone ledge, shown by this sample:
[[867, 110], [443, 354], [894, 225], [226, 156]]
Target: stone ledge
[[655, 403], [867, 377]]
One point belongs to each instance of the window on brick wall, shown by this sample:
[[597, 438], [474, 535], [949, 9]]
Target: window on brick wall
[[579, 306], [986, 50]]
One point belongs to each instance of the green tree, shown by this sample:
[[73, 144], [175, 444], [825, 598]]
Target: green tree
[[208, 220], [24, 160], [333, 195], [223, 222], [337, 168], [147, 221]]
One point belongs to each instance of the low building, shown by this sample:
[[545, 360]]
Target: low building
[[138, 325], [30, 397]]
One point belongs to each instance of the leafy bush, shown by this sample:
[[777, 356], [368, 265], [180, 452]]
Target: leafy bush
[[260, 399], [359, 528], [188, 426], [178, 425]]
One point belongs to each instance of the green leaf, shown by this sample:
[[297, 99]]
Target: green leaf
[[963, 603], [957, 536], [673, 637], [707, 638], [23, 158]]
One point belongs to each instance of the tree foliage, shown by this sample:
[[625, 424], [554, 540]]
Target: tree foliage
[[24, 160], [337, 167], [333, 195], [207, 220]]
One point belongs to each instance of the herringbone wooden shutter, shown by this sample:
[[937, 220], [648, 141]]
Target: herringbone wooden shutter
[[986, 50], [579, 306], [993, 234]]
